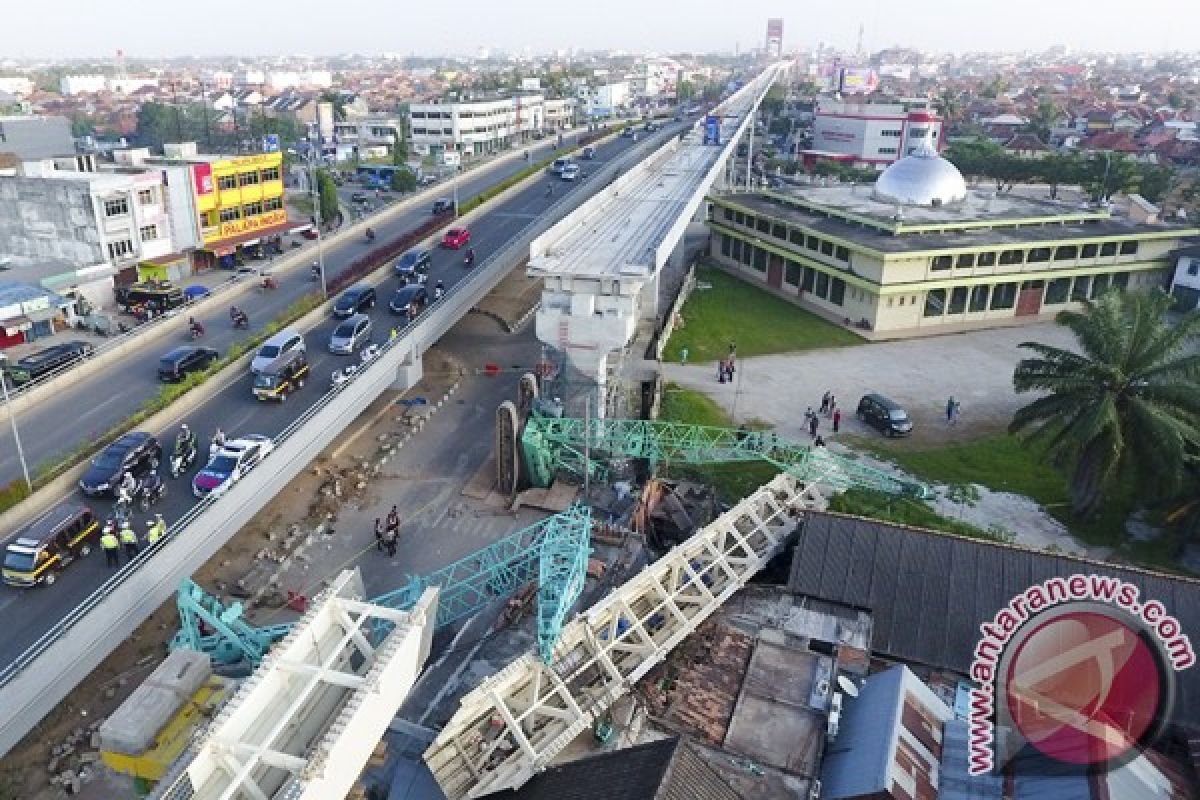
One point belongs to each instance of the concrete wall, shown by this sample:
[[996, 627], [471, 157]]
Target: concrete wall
[[36, 137], [49, 220]]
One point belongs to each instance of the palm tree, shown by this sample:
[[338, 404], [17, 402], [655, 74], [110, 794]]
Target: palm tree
[[949, 104], [1127, 406]]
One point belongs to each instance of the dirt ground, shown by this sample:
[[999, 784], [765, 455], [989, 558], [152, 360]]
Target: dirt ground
[[308, 501]]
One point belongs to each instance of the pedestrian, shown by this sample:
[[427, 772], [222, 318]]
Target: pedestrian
[[112, 549], [722, 371], [732, 349], [390, 542], [825, 402], [129, 541], [813, 422], [683, 356], [832, 405], [950, 410], [393, 520], [808, 415], [955, 412], [837, 419], [158, 529], [379, 534]]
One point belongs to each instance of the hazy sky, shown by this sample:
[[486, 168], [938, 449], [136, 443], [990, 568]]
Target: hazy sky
[[326, 27]]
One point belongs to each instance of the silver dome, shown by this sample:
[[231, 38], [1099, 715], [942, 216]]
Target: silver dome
[[921, 179]]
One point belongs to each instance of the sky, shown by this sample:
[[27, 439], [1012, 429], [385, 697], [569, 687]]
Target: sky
[[158, 28]]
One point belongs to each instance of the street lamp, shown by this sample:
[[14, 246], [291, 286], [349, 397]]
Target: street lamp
[[315, 188], [12, 420]]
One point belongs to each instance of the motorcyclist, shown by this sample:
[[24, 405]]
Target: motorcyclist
[[470, 255], [196, 328], [439, 289], [185, 440], [549, 190], [218, 440], [370, 235], [316, 270], [127, 488]]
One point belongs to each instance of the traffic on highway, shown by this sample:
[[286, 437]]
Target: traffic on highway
[[246, 425]]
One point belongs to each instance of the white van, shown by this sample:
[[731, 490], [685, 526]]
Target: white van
[[281, 343]]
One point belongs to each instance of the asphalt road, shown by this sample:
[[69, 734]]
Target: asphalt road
[[62, 422]]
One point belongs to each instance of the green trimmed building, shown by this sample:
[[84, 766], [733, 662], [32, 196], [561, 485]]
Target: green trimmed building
[[920, 253]]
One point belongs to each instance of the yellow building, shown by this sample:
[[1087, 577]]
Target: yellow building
[[239, 201]]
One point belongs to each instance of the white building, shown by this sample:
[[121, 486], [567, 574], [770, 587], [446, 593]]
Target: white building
[[78, 84], [875, 134], [560, 113], [17, 86], [478, 126], [129, 85], [372, 134], [1185, 283], [604, 100], [249, 77]]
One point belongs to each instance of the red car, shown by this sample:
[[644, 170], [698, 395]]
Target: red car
[[456, 238]]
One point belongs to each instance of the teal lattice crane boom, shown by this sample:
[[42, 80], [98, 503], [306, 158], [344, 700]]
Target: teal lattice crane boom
[[559, 443]]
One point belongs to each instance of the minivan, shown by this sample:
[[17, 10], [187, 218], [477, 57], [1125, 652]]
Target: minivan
[[48, 544], [348, 335], [283, 342], [281, 378], [36, 365], [884, 415], [175, 365]]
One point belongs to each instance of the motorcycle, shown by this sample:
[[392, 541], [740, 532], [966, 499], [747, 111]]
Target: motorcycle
[[242, 321], [181, 460], [438, 292], [314, 273], [267, 283], [195, 331], [370, 235], [469, 259], [149, 490]]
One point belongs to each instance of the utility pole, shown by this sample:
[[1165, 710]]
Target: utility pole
[[316, 193], [12, 420]]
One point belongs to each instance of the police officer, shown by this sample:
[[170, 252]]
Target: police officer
[[111, 548], [129, 540], [158, 529]]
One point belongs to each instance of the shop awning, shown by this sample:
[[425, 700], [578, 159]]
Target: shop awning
[[14, 325], [165, 261]]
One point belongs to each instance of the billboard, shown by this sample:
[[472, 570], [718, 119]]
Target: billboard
[[202, 179], [858, 80]]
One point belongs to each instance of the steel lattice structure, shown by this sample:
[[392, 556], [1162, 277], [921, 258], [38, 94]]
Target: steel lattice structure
[[553, 551], [552, 443]]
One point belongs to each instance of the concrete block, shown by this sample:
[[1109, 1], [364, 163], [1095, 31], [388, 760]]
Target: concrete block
[[132, 727]]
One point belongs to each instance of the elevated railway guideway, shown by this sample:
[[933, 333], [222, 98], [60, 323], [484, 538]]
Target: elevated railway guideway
[[600, 264]]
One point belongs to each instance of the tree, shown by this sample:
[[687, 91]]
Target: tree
[[1057, 169], [684, 91], [949, 104], [403, 181], [1042, 120], [338, 101], [82, 125], [1108, 173], [400, 145], [1154, 182], [1125, 407], [327, 190]]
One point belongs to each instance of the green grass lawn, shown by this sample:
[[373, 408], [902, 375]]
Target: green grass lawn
[[758, 321]]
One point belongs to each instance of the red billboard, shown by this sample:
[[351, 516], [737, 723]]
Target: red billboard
[[202, 179]]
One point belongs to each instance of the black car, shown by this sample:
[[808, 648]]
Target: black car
[[37, 365], [442, 206], [410, 300], [355, 300], [136, 452], [413, 263], [359, 197], [884, 414], [175, 365]]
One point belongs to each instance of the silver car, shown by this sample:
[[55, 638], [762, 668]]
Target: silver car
[[350, 334]]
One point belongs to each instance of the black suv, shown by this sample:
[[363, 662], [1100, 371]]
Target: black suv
[[36, 365], [355, 300], [413, 263], [442, 206], [136, 452], [175, 365], [884, 415], [410, 300]]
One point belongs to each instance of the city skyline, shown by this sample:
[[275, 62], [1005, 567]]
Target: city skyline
[[150, 30]]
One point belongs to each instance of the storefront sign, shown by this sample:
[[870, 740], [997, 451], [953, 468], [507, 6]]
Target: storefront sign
[[244, 226], [202, 179]]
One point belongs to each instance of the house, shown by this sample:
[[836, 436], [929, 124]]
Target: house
[[1027, 145]]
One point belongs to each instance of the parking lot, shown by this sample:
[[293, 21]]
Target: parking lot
[[920, 374]]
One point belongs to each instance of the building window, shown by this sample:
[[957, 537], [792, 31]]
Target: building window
[[1129, 248], [813, 243], [1066, 253], [248, 178], [750, 220], [791, 273], [841, 254], [231, 214], [726, 247], [762, 225], [227, 182], [958, 300], [748, 254], [1057, 291], [887, 151], [148, 233], [760, 259], [1004, 295], [1039, 254], [252, 209], [826, 248], [942, 262], [895, 134], [270, 174], [728, 214], [979, 297], [1120, 281], [1089, 251], [809, 279], [796, 237], [822, 289], [146, 197], [779, 231], [739, 218], [1194, 267], [122, 248], [965, 260], [901, 301], [837, 291], [1008, 257], [935, 302], [917, 133], [116, 208], [1079, 290], [1108, 249], [737, 249], [987, 259], [272, 204], [1099, 286]]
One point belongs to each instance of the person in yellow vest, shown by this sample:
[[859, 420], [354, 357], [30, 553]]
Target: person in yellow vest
[[111, 547], [158, 529], [129, 540]]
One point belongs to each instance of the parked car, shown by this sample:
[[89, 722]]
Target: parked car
[[355, 300], [277, 346], [230, 464], [413, 264], [48, 544], [175, 365], [884, 414], [410, 300], [137, 452], [347, 336], [442, 206], [456, 238], [43, 362]]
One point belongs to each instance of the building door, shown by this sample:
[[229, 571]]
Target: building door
[[775, 271], [1029, 301]]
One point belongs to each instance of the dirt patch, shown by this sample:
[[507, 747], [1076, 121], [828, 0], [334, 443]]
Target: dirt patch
[[511, 302]]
